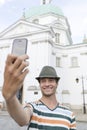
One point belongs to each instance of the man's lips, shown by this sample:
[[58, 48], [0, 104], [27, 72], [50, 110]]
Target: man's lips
[[47, 88]]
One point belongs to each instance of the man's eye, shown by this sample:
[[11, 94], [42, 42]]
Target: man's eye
[[51, 80]]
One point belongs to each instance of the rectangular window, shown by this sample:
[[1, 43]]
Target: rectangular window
[[57, 37], [74, 62], [35, 93], [58, 61]]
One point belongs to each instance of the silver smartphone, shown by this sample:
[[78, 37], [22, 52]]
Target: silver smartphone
[[19, 46]]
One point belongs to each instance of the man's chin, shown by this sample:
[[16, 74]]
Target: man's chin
[[47, 94]]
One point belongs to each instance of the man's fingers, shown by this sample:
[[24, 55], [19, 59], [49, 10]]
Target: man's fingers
[[10, 59], [23, 75], [23, 66], [14, 74], [20, 60], [14, 62]]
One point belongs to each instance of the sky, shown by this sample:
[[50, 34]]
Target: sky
[[74, 10]]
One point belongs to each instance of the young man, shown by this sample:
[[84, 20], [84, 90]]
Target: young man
[[44, 114]]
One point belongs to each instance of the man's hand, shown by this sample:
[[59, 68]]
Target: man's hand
[[14, 74]]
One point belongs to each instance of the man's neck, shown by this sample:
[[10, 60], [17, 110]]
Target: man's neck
[[50, 102]]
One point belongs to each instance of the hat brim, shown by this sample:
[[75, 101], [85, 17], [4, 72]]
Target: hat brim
[[38, 78]]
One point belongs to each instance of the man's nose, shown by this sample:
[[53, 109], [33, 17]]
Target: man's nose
[[47, 83]]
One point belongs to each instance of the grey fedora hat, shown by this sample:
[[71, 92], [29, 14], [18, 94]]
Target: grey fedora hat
[[48, 72]]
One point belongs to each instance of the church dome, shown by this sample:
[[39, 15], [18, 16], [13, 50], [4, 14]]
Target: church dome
[[43, 9]]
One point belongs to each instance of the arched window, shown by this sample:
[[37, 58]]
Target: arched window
[[35, 21]]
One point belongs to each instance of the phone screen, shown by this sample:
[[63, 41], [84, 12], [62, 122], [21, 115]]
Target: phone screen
[[19, 46]]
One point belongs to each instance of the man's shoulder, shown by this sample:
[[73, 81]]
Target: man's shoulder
[[37, 102], [63, 106], [65, 109]]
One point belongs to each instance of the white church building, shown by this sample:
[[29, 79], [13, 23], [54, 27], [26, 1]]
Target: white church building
[[49, 43]]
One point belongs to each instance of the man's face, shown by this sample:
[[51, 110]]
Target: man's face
[[48, 86]]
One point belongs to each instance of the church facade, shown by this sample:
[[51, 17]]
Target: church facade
[[49, 43]]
